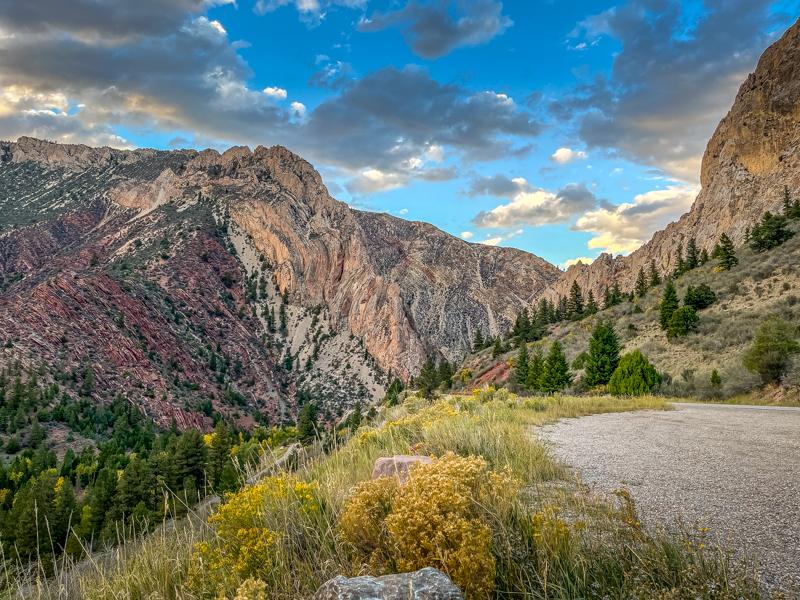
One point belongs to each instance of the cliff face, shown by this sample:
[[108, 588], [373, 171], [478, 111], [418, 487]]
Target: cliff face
[[406, 289], [752, 155]]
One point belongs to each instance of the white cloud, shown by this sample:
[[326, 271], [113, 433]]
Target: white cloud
[[467, 235], [275, 93], [491, 241], [539, 207], [299, 109], [564, 156], [574, 261], [623, 228], [321, 58], [402, 211]]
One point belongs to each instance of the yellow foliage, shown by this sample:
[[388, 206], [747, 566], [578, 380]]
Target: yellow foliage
[[252, 589], [553, 540], [718, 269], [425, 418], [438, 518]]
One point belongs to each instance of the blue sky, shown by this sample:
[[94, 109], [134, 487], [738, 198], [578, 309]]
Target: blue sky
[[564, 129]]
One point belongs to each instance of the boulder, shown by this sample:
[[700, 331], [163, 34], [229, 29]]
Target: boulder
[[396, 465], [425, 584]]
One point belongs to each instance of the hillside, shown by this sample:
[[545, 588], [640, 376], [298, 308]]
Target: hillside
[[752, 155]]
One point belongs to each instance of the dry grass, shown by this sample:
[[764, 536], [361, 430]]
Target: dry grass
[[555, 540]]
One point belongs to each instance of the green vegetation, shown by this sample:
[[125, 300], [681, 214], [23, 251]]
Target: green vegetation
[[634, 376]]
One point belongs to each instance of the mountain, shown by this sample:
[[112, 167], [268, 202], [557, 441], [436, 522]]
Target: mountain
[[752, 155], [191, 281]]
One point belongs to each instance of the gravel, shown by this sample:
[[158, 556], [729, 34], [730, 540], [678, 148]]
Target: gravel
[[733, 469]]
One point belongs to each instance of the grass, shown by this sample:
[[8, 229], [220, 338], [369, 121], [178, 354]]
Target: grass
[[553, 539]]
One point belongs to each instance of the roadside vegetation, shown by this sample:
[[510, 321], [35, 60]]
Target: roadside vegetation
[[493, 510]]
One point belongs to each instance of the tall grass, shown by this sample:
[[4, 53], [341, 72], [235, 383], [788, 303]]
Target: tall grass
[[558, 540]]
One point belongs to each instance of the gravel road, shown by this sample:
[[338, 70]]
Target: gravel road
[[734, 469]]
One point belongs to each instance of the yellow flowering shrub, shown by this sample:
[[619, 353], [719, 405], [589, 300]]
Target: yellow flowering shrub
[[242, 544], [554, 543], [252, 589], [424, 416], [438, 518]]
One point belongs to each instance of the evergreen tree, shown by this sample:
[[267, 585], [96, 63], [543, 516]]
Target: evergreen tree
[[591, 305], [37, 435], [229, 479], [307, 424], [692, 255], [680, 264], [770, 233], [603, 354], [655, 278], [477, 344], [521, 364], [355, 418], [498, 347], [562, 309], [88, 380], [669, 304], [428, 379], [607, 302], [535, 370], [727, 254], [787, 202], [445, 373], [634, 376], [794, 213], [704, 257], [700, 297], [555, 375], [575, 302], [716, 380], [640, 288], [682, 321], [190, 457], [218, 453], [747, 234]]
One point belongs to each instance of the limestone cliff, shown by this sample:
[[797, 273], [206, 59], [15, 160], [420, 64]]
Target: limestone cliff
[[752, 155]]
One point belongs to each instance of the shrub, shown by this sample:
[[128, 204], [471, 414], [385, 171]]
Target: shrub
[[770, 354], [634, 376], [700, 297], [682, 322], [439, 518]]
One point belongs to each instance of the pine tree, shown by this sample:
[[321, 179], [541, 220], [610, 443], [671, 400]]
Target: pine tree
[[428, 379], [307, 424], [727, 258], [535, 370], [634, 376], [88, 380], [218, 453], [794, 213], [477, 344], [692, 255], [680, 264], [445, 373], [616, 294], [787, 202], [655, 278], [555, 375], [669, 304], [716, 380], [603, 354], [562, 308], [575, 302], [498, 347], [521, 364], [770, 232], [746, 234], [591, 305], [704, 257], [355, 418], [607, 302], [640, 288], [37, 435]]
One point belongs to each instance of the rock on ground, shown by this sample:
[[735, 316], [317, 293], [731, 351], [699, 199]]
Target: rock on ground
[[396, 465], [426, 584]]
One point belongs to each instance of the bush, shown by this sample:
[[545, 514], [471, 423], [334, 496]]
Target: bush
[[700, 297], [683, 321], [770, 354], [634, 376], [770, 233], [440, 517]]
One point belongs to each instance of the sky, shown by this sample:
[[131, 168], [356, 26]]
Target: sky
[[565, 129]]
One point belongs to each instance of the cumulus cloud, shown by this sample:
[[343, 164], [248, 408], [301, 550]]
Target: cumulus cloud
[[625, 227], [402, 211], [467, 235], [170, 69], [499, 186], [574, 261], [675, 78], [491, 241], [540, 207], [565, 156], [434, 30]]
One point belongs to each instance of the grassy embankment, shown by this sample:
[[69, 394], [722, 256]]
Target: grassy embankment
[[514, 524]]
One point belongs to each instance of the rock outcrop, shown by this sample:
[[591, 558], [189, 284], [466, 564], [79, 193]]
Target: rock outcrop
[[425, 584], [397, 466], [753, 154]]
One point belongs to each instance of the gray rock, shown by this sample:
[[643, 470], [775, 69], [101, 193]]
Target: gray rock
[[425, 584], [396, 465]]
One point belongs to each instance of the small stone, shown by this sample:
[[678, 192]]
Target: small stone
[[397, 465], [425, 584]]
